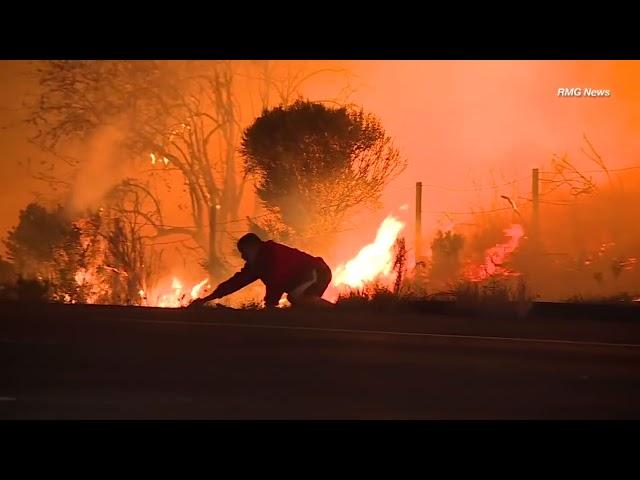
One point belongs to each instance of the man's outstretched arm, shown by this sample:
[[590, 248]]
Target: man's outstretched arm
[[240, 280]]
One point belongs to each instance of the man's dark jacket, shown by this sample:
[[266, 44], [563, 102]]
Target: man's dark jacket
[[280, 268]]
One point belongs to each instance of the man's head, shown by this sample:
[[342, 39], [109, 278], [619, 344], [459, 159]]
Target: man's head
[[248, 245]]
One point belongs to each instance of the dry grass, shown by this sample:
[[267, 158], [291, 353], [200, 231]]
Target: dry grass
[[26, 290], [494, 297], [611, 299]]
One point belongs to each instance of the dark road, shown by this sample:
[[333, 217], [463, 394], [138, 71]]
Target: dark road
[[134, 364]]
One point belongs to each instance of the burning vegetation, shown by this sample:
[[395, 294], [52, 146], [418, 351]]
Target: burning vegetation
[[151, 164]]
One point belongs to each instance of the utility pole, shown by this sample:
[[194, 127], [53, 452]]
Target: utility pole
[[213, 220], [535, 201], [418, 240]]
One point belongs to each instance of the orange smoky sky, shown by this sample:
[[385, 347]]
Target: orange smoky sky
[[466, 123], [457, 123]]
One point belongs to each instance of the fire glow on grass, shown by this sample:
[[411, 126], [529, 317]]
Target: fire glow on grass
[[495, 256], [373, 261]]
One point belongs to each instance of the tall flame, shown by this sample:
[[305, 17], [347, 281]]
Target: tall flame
[[373, 260]]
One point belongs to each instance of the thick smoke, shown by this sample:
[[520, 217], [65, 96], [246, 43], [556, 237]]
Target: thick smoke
[[104, 164], [591, 245]]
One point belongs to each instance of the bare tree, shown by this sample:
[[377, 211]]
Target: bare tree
[[282, 83], [127, 253], [566, 174], [177, 117]]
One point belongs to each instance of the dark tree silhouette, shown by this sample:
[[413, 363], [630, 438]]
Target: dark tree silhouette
[[312, 164], [46, 246], [31, 245], [446, 248]]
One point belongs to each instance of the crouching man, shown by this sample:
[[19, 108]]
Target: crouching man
[[282, 269]]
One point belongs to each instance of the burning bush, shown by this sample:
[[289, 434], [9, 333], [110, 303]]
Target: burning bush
[[92, 259], [45, 248]]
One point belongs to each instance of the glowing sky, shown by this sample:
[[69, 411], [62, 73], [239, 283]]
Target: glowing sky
[[455, 122]]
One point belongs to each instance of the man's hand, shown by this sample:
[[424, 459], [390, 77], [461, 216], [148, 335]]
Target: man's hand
[[198, 302]]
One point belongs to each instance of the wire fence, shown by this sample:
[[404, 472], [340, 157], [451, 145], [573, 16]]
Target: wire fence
[[233, 233]]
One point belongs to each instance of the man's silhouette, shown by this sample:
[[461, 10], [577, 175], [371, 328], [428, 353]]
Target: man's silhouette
[[282, 269]]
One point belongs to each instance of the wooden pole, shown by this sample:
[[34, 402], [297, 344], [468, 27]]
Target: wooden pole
[[418, 239], [535, 200], [213, 220]]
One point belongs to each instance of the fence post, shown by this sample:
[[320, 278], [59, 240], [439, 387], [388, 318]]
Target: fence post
[[418, 239]]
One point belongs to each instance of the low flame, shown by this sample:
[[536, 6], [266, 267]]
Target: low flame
[[172, 299], [178, 296], [373, 260], [284, 303], [195, 291], [496, 256]]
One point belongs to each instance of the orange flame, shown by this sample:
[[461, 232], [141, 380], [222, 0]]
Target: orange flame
[[373, 260], [178, 296], [496, 256], [174, 298], [195, 291], [283, 303], [82, 277]]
